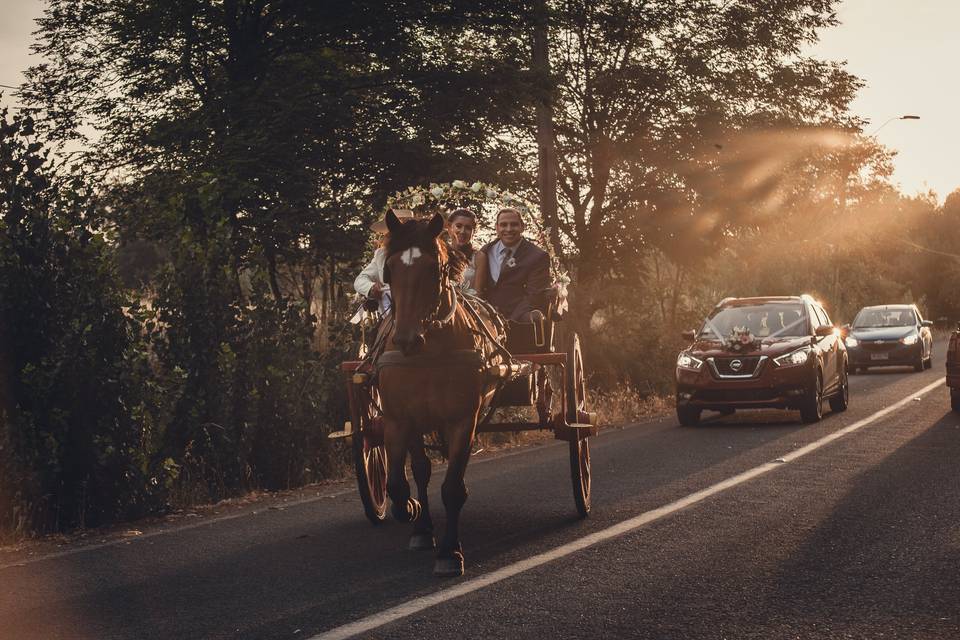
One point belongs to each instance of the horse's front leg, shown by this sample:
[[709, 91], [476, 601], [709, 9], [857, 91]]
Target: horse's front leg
[[404, 508], [449, 561], [422, 538]]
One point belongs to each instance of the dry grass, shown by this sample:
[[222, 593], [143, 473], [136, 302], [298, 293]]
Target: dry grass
[[621, 405], [624, 404]]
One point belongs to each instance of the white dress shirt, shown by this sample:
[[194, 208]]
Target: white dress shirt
[[373, 274], [498, 254]]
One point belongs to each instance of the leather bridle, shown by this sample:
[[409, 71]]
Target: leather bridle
[[446, 290]]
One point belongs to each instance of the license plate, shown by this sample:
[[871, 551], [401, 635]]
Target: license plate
[[879, 356]]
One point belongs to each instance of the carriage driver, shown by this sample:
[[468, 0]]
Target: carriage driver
[[370, 282], [519, 271]]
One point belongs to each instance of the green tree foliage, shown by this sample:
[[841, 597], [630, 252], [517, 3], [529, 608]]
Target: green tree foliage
[[648, 100], [933, 245], [71, 452], [283, 118], [245, 142]]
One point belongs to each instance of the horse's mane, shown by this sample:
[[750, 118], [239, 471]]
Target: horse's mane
[[458, 262], [414, 233]]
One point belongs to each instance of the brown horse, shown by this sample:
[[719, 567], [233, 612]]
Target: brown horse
[[431, 377]]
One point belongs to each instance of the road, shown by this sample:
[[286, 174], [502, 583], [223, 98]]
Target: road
[[750, 526]]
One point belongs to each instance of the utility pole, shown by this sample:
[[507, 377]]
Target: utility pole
[[546, 153]]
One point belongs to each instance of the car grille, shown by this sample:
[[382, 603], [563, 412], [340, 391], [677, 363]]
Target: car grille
[[747, 368], [736, 395]]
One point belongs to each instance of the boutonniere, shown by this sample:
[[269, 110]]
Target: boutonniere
[[512, 262]]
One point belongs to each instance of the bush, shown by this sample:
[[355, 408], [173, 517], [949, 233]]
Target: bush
[[110, 409], [71, 451], [250, 400]]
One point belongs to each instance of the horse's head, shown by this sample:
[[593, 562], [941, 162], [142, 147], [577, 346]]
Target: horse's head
[[415, 269]]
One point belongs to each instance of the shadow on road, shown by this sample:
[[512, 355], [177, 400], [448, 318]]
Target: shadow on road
[[888, 557]]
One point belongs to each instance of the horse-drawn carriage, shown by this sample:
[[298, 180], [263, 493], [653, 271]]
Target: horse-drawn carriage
[[527, 382], [442, 364]]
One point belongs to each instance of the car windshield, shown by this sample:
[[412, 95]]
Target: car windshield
[[762, 320], [872, 318]]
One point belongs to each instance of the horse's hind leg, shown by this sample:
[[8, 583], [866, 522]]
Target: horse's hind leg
[[422, 537], [449, 561], [404, 508]]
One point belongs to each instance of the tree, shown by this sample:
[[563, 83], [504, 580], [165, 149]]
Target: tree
[[249, 140], [648, 100]]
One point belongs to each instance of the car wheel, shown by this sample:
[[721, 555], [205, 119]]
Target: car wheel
[[812, 408], [955, 399], [841, 399], [688, 416], [921, 364]]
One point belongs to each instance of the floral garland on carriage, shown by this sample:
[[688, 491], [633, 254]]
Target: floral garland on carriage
[[485, 199]]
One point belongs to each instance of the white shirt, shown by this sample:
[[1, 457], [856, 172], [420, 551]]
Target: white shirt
[[497, 254], [373, 274]]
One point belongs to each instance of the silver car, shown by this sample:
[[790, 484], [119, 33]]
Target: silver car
[[889, 335]]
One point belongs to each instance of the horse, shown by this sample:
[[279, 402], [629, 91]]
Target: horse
[[431, 377]]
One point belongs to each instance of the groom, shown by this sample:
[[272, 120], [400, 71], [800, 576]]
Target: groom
[[519, 270]]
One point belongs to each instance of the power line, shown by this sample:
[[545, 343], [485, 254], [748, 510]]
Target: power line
[[928, 250]]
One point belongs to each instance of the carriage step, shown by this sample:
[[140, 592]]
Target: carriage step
[[346, 433], [575, 431], [509, 370]]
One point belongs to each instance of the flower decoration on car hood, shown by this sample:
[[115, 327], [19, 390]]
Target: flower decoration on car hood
[[740, 339]]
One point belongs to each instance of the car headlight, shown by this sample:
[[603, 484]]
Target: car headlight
[[687, 361], [850, 341], [794, 358], [911, 339]]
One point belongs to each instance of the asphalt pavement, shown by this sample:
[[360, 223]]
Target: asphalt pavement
[[748, 526]]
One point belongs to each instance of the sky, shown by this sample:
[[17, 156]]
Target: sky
[[906, 51]]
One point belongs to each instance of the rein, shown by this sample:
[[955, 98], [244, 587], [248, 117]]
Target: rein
[[431, 322]]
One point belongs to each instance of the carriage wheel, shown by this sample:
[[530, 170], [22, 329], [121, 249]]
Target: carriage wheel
[[370, 455], [576, 399]]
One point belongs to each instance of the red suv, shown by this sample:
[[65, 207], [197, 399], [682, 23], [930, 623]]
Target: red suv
[[953, 369], [779, 352]]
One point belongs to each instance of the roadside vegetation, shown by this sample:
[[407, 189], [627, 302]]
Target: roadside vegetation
[[174, 296]]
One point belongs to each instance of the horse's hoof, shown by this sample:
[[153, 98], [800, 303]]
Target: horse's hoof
[[422, 542], [413, 508], [408, 512], [449, 567]]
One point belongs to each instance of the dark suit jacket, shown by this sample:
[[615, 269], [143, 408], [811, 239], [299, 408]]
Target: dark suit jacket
[[521, 288]]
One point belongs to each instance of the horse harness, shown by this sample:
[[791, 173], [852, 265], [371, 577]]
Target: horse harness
[[377, 358]]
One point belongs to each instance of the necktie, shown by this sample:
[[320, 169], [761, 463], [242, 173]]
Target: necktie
[[505, 254]]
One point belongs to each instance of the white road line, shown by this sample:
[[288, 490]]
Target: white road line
[[417, 605]]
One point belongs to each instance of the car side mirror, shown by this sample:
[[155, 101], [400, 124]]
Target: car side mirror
[[689, 334], [926, 323], [824, 330]]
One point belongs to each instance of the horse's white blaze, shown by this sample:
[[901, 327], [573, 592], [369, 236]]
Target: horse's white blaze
[[410, 255]]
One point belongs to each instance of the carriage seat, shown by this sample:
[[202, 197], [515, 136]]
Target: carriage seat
[[536, 336], [528, 338]]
